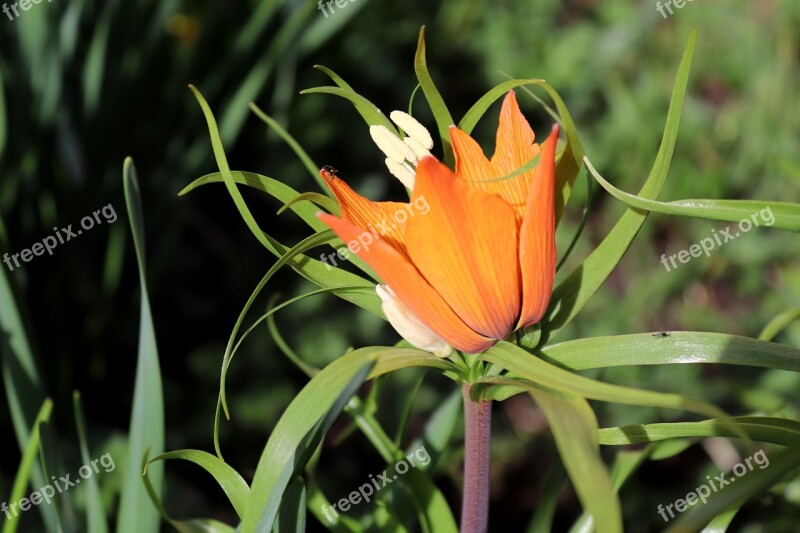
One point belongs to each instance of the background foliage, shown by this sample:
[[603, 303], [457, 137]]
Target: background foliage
[[85, 84]]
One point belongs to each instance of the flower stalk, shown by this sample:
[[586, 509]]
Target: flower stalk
[[477, 447]]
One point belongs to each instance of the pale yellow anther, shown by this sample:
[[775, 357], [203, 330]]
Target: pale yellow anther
[[394, 148], [401, 172], [418, 149], [413, 128]]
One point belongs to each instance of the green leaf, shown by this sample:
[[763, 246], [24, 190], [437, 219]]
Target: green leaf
[[306, 210], [678, 347], [572, 294], [292, 514], [234, 112], [780, 465], [550, 487], [26, 465], [310, 165], [95, 511], [316, 502], [310, 269], [625, 464], [369, 111], [433, 511], [316, 198], [759, 428], [232, 484], [200, 525], [308, 243], [308, 417], [786, 215], [531, 368], [136, 513], [21, 383], [574, 428], [435, 101], [290, 448], [778, 324], [721, 522]]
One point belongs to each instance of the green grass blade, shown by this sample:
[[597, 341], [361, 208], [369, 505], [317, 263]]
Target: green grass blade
[[759, 428], [136, 513], [778, 324], [306, 210], [198, 525], [571, 295], [432, 509], [574, 428], [678, 347], [786, 215], [309, 415], [312, 270], [435, 101], [29, 455], [235, 110], [318, 199], [22, 384], [292, 514], [229, 480], [292, 449], [96, 521], [302, 155], [369, 111], [305, 244], [753, 483], [531, 368]]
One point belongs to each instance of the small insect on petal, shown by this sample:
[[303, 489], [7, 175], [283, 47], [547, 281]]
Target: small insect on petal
[[409, 326], [390, 145], [401, 172], [413, 128], [418, 149]]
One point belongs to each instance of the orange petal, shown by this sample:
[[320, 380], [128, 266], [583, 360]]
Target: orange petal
[[410, 287], [537, 246], [471, 164], [378, 217], [466, 247], [514, 149]]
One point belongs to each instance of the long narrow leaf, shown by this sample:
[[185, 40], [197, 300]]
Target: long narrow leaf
[[136, 512], [573, 293], [785, 215], [295, 431]]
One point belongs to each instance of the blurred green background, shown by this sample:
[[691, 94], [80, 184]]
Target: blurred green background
[[85, 83]]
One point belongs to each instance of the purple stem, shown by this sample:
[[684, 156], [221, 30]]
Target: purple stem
[[477, 448]]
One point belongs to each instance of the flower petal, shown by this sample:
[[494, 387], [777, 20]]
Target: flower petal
[[378, 217], [411, 288], [537, 247], [409, 326], [514, 149], [466, 247]]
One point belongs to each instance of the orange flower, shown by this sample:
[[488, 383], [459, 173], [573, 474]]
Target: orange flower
[[480, 262]]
